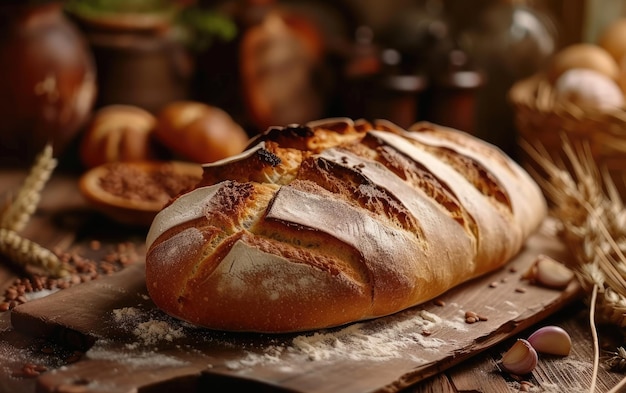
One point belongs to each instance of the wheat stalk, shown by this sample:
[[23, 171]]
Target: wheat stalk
[[586, 203], [27, 253], [18, 212], [592, 223]]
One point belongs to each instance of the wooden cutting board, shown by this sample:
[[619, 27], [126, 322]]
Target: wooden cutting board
[[127, 344]]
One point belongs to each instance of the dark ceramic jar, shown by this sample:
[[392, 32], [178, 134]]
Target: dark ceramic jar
[[47, 80]]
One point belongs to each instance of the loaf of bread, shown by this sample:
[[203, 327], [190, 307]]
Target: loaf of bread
[[337, 221]]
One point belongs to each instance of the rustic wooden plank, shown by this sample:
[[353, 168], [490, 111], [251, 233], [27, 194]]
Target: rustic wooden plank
[[419, 342], [185, 380], [439, 383], [484, 377], [79, 307], [15, 350]]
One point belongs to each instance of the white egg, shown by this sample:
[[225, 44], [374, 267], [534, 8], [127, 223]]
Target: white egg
[[589, 88]]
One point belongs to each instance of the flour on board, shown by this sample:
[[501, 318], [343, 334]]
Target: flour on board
[[150, 331], [376, 340], [357, 342]]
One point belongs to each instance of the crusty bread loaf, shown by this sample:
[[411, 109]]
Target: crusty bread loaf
[[337, 221]]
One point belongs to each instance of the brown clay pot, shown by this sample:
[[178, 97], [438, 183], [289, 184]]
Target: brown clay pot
[[47, 80]]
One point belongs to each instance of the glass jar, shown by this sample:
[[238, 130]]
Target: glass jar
[[510, 41]]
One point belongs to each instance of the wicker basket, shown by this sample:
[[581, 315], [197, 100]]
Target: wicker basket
[[542, 120]]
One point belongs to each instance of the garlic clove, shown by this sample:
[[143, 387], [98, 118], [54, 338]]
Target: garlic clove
[[551, 340], [520, 359], [531, 273], [549, 273]]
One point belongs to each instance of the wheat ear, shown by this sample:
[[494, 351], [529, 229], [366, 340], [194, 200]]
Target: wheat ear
[[19, 210], [27, 253]]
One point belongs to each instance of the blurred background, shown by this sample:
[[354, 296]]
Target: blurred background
[[270, 62]]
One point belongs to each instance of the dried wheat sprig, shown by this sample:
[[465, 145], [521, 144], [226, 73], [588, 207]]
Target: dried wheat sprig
[[593, 224], [612, 277], [594, 335], [26, 253], [596, 266], [18, 212]]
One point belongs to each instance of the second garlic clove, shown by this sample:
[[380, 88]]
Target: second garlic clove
[[549, 273], [551, 340], [520, 359]]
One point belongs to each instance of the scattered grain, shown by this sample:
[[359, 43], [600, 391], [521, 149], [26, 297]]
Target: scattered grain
[[473, 317], [81, 270]]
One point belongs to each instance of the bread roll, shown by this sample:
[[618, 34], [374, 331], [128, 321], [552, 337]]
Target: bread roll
[[118, 133], [337, 221], [199, 132]]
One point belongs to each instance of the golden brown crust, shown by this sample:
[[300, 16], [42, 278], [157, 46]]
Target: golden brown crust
[[335, 222]]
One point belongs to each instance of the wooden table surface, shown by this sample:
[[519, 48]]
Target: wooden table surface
[[64, 220]]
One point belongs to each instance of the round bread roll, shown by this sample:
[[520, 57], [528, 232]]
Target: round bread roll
[[583, 55], [200, 132], [337, 221], [588, 88], [118, 133]]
